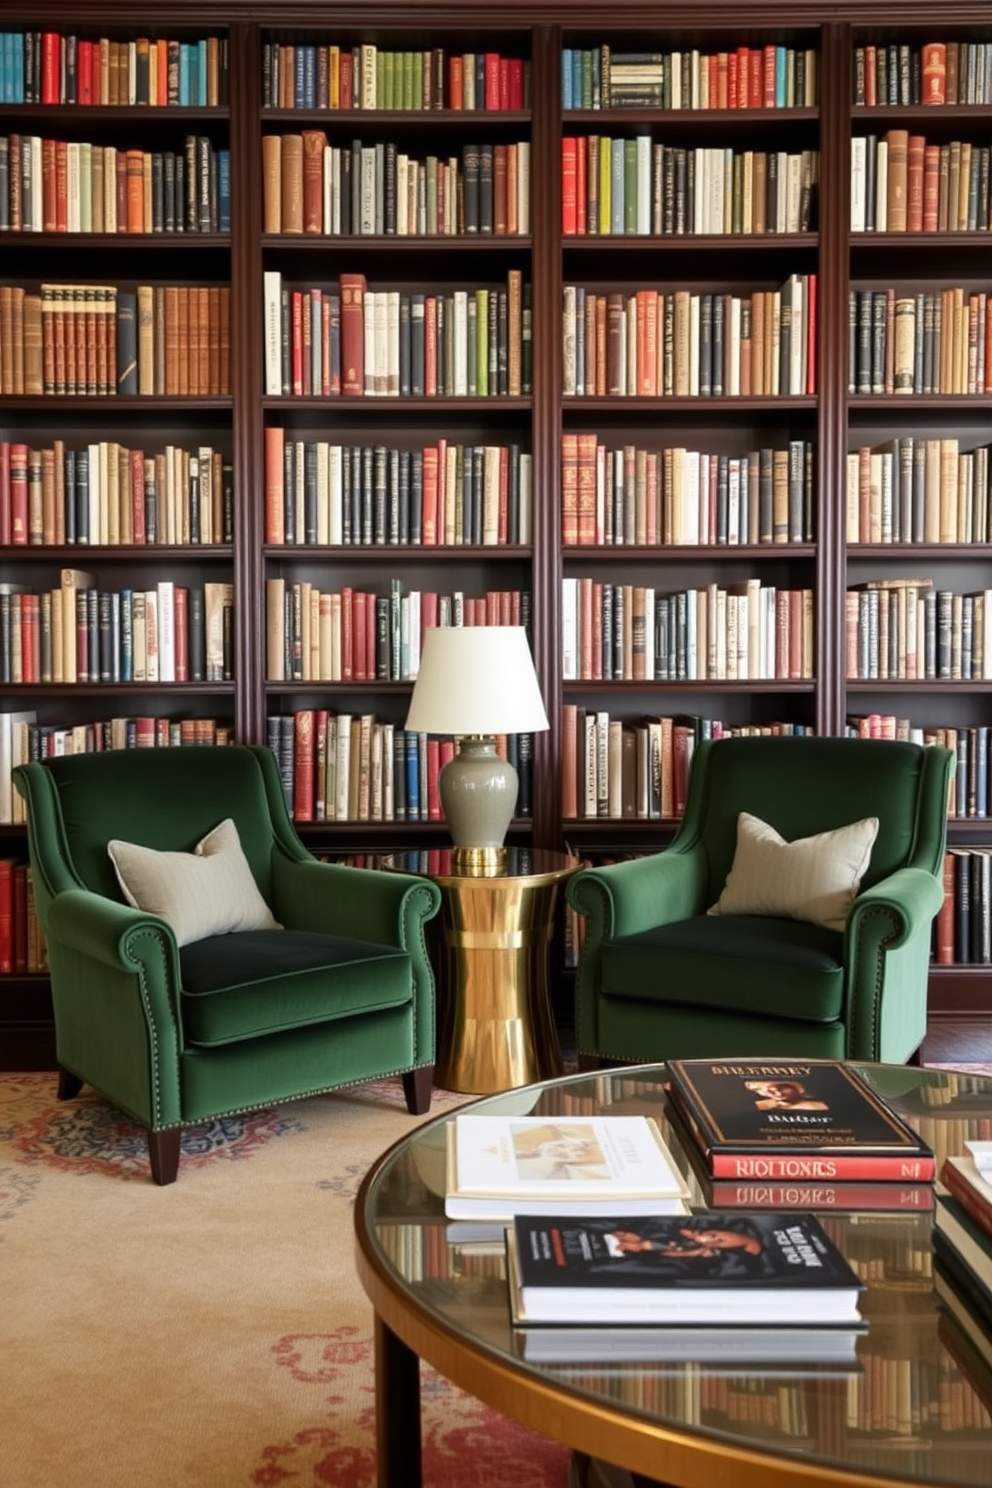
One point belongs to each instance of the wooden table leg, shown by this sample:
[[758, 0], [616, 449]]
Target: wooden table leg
[[397, 1412]]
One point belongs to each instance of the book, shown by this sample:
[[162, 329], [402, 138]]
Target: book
[[965, 1181], [794, 1119], [960, 1300], [971, 1245], [719, 1268], [733, 1193], [736, 1350], [500, 1166]]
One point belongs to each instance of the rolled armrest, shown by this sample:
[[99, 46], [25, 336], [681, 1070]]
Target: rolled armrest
[[625, 898], [907, 901], [103, 930], [365, 903]]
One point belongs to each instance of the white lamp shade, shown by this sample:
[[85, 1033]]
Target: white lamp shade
[[476, 679]]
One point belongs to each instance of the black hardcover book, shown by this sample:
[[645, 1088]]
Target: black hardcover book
[[721, 1268], [812, 1118], [310, 492], [405, 463], [416, 497], [197, 640]]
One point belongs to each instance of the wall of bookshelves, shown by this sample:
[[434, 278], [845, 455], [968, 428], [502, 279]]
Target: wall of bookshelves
[[313, 333]]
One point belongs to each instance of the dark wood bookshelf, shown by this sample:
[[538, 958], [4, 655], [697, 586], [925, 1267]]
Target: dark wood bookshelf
[[832, 419]]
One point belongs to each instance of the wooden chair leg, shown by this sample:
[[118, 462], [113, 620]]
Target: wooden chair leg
[[418, 1086], [69, 1084], [163, 1154]]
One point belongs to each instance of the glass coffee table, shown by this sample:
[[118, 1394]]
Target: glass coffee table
[[913, 1409]]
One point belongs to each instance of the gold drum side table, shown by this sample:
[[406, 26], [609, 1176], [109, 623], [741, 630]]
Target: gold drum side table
[[495, 1029]]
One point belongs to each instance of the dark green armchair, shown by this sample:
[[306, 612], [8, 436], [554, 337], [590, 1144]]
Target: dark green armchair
[[660, 978], [176, 1034]]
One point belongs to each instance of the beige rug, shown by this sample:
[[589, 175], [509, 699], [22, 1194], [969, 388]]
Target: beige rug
[[212, 1333]]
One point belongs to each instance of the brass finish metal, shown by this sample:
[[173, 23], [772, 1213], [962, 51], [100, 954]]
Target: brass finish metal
[[495, 1030]]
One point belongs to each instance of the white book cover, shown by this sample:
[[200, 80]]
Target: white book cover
[[166, 607], [272, 295], [499, 1166], [14, 750]]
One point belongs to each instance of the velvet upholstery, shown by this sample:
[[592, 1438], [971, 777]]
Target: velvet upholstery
[[343, 993], [659, 978]]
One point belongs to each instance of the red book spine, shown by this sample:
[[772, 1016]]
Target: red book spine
[[433, 770], [429, 517], [139, 533], [491, 74], [430, 347], [84, 71], [303, 793], [756, 69], [180, 613], [347, 635], [51, 67], [20, 917], [725, 1195], [809, 1166], [352, 287], [370, 638], [297, 343], [6, 522], [6, 915], [358, 636], [18, 477], [569, 169]]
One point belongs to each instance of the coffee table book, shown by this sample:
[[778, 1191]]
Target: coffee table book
[[500, 1166], [718, 1269], [971, 1246], [768, 1350], [798, 1120], [972, 1188]]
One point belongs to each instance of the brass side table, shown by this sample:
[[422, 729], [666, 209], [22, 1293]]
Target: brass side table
[[495, 1030]]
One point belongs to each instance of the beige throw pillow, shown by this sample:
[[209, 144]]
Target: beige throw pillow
[[209, 891], [814, 878]]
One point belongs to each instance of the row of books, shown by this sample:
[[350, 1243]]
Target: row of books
[[932, 73], [631, 632], [370, 495], [900, 183], [963, 928], [972, 791], [322, 340], [354, 635], [917, 490], [676, 496], [56, 67], [310, 186], [615, 768], [307, 75], [109, 495], [79, 633], [101, 339], [906, 630], [57, 186], [23, 738], [22, 945], [937, 341], [634, 186], [653, 343], [770, 76], [356, 767]]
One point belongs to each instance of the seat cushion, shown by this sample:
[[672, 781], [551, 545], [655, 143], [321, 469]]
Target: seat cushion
[[770, 967], [262, 981]]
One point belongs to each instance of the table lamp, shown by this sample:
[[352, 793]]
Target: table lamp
[[475, 681]]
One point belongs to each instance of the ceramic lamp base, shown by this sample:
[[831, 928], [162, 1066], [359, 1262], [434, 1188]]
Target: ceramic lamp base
[[478, 792]]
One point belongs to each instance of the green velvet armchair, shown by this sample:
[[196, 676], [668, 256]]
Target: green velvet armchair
[[659, 977], [328, 985]]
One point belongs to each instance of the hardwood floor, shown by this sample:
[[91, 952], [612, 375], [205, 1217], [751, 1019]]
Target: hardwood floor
[[958, 1040]]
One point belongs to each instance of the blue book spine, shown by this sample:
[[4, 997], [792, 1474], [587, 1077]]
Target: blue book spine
[[577, 99], [781, 77], [127, 635], [299, 79], [224, 191], [201, 73], [566, 78], [412, 776], [309, 77], [185, 68]]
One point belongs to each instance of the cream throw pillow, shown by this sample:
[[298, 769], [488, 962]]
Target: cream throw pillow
[[209, 891], [814, 878]]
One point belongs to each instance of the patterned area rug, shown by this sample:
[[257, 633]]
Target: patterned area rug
[[212, 1333]]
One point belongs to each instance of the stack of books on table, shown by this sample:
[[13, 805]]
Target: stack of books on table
[[962, 1242], [807, 1134]]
